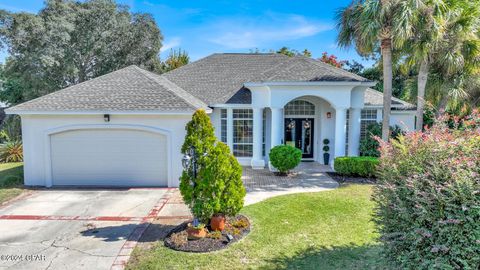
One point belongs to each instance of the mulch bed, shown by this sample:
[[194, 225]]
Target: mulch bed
[[351, 179], [238, 227]]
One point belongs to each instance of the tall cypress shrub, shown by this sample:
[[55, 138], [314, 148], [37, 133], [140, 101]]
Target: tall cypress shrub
[[217, 187]]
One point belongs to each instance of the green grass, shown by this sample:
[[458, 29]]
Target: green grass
[[325, 230], [11, 180]]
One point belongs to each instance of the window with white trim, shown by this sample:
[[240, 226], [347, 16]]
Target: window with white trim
[[299, 107], [368, 117], [223, 125], [243, 132]]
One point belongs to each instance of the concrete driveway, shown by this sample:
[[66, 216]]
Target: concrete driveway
[[80, 229]]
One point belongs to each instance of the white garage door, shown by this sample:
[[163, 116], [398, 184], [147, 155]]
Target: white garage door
[[109, 157]]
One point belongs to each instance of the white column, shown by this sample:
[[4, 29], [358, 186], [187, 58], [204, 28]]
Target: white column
[[230, 128], [276, 131], [257, 158], [340, 132], [354, 132]]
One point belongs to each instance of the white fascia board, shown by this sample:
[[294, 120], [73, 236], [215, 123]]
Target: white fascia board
[[103, 112], [247, 106], [404, 111], [393, 107], [322, 83]]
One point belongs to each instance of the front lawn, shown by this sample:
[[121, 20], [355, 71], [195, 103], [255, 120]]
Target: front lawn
[[325, 230], [11, 180]]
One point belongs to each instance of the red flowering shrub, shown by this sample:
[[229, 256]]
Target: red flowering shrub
[[428, 196], [332, 60]]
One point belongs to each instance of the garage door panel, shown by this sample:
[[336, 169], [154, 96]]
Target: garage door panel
[[105, 157]]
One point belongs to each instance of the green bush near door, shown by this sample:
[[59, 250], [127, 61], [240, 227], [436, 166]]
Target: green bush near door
[[285, 158], [356, 166]]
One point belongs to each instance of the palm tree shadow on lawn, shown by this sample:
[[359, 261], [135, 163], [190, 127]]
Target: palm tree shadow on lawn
[[351, 256]]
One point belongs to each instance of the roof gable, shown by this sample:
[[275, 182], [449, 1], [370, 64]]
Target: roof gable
[[217, 78], [127, 89]]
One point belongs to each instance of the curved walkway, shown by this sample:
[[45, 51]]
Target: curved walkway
[[307, 177]]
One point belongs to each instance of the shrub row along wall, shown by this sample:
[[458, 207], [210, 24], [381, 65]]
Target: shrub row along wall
[[356, 166]]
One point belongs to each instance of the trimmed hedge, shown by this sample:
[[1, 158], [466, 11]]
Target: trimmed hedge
[[285, 158], [356, 166]]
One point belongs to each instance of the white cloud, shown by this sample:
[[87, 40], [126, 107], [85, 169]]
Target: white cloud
[[170, 44], [256, 32]]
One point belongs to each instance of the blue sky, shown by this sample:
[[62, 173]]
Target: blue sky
[[203, 27]]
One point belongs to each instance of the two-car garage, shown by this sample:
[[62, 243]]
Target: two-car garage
[[109, 157], [123, 129]]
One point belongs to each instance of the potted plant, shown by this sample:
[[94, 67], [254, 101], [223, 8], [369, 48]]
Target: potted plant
[[326, 149], [217, 222], [196, 230]]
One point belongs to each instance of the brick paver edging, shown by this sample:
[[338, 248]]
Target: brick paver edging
[[124, 254]]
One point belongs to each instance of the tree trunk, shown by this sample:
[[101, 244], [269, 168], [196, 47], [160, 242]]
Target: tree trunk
[[422, 83], [387, 86], [442, 106]]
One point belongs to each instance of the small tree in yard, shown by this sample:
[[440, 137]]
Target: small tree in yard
[[428, 197], [216, 186], [225, 187]]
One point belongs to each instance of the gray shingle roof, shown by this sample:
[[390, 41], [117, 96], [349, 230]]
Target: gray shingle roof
[[218, 78], [375, 98], [127, 89]]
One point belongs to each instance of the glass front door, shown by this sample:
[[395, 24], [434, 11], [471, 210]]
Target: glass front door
[[299, 134]]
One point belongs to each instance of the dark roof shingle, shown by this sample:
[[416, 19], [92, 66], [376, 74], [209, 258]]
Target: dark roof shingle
[[217, 78], [127, 89], [375, 98]]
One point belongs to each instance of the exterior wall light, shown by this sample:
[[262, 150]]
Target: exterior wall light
[[329, 115], [106, 117]]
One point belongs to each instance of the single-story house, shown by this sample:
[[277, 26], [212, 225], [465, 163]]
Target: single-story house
[[126, 128]]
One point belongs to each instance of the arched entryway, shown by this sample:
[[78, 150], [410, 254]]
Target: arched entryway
[[300, 118]]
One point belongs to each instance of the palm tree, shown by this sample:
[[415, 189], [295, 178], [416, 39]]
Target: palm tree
[[458, 59], [444, 35], [370, 25], [427, 27]]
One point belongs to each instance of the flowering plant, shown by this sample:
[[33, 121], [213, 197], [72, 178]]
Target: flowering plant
[[428, 196]]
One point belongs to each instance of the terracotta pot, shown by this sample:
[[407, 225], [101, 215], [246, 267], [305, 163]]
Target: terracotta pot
[[217, 222], [194, 233]]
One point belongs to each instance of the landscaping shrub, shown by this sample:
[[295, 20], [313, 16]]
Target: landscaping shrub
[[217, 187], [11, 129], [356, 166], [11, 152], [369, 146], [285, 157], [221, 186], [11, 181], [428, 197]]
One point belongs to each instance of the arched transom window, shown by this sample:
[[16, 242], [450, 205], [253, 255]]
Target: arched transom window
[[299, 107]]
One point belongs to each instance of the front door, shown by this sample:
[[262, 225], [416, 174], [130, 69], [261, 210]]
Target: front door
[[299, 134]]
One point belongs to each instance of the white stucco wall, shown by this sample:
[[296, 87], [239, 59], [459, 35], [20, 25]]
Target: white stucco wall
[[326, 130], [403, 119], [36, 127]]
